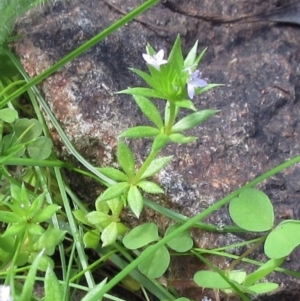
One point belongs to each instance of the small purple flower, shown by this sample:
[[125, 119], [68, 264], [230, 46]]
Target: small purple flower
[[193, 82], [155, 60]]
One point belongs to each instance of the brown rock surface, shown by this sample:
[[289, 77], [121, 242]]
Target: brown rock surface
[[257, 128]]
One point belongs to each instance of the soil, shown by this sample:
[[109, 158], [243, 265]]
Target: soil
[[257, 127]]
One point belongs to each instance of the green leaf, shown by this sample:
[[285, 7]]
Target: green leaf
[[156, 264], [252, 211], [209, 87], [175, 58], [114, 174], [186, 104], [149, 110], [263, 288], [27, 129], [199, 58], [193, 120], [143, 92], [210, 279], [91, 239], [150, 187], [190, 59], [35, 229], [40, 148], [94, 292], [283, 239], [263, 271], [114, 191], [135, 200], [53, 290], [15, 229], [151, 81], [160, 142], [45, 214], [183, 242], [109, 235], [181, 139], [116, 206], [156, 165], [8, 115], [141, 236], [28, 286], [9, 217], [81, 217], [98, 218], [50, 239], [126, 159], [140, 132]]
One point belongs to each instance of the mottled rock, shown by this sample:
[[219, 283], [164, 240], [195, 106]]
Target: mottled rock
[[257, 128]]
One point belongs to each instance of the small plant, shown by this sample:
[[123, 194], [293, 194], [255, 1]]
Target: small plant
[[37, 208], [176, 81]]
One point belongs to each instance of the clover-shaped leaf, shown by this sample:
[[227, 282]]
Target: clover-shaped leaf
[[252, 210], [40, 148], [141, 236], [183, 242], [283, 239], [156, 264]]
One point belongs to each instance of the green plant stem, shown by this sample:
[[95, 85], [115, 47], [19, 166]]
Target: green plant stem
[[246, 253], [180, 218], [7, 88], [189, 224], [172, 117], [83, 48], [247, 260], [33, 162], [144, 167]]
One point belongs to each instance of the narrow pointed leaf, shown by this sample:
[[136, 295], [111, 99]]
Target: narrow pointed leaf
[[114, 191], [109, 234], [193, 120], [151, 81], [53, 290], [114, 174], [135, 200], [160, 142], [181, 139], [156, 166], [143, 92], [126, 159], [140, 132], [175, 58], [191, 57], [263, 271], [150, 187], [199, 58], [149, 110], [186, 104]]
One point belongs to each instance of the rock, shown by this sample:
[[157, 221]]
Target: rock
[[257, 128]]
